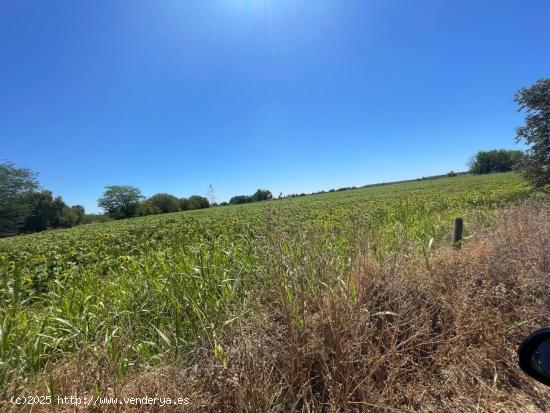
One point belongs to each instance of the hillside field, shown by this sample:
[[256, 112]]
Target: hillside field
[[132, 294]]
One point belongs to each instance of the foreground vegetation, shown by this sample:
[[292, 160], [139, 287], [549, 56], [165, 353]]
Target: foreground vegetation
[[135, 293], [412, 333]]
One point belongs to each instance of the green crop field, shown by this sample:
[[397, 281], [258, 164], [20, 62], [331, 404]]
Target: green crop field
[[141, 290]]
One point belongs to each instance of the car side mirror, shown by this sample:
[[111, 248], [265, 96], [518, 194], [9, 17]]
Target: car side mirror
[[534, 355]]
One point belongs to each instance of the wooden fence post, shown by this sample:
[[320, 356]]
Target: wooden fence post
[[457, 233]]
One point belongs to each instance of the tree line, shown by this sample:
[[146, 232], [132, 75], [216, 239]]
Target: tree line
[[259, 195], [125, 201], [501, 160], [25, 207]]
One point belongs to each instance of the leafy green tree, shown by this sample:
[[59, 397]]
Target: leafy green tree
[[15, 184], [198, 202], [148, 208], [240, 199], [184, 204], [42, 212], [120, 201], [49, 212], [70, 216], [165, 202], [262, 195], [535, 101], [194, 202], [259, 195], [485, 162], [79, 213]]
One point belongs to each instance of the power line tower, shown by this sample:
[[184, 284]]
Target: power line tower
[[210, 195]]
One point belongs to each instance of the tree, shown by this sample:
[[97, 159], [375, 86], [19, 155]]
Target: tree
[[259, 195], [198, 202], [79, 212], [24, 208], [184, 204], [240, 199], [42, 211], [120, 201], [165, 202], [15, 184], [485, 162], [71, 216], [262, 195], [49, 212], [535, 101], [194, 202], [148, 208]]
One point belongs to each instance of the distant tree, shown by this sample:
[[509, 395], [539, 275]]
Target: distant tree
[[61, 214], [79, 212], [262, 195], [259, 195], [71, 216], [198, 202], [240, 199], [485, 162], [15, 184], [42, 211], [194, 202], [148, 208], [535, 101], [184, 204], [165, 202], [120, 201], [49, 212]]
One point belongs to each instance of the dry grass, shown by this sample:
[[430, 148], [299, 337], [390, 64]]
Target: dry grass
[[431, 333]]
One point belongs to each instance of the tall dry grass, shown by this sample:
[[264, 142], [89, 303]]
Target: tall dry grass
[[434, 332]]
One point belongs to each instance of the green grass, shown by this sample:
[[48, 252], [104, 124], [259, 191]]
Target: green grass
[[135, 291]]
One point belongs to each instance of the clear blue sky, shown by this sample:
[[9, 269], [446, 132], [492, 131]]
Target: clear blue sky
[[171, 96]]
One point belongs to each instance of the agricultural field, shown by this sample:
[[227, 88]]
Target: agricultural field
[[140, 291]]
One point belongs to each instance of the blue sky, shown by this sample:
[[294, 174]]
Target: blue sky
[[293, 96]]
